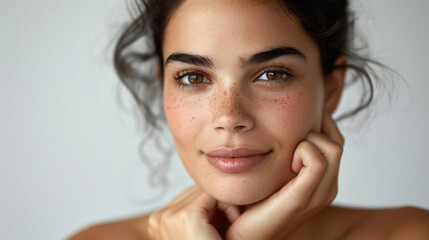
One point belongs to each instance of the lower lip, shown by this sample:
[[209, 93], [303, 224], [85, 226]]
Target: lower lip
[[238, 164]]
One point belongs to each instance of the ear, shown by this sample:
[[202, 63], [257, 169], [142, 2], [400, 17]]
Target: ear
[[334, 84]]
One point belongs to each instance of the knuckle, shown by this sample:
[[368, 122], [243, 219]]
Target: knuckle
[[155, 218], [339, 149], [167, 219], [319, 164], [183, 217], [154, 224], [305, 145], [336, 151]]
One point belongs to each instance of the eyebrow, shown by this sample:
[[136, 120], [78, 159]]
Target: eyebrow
[[272, 54], [260, 57], [190, 59]]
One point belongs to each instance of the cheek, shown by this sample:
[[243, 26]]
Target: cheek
[[294, 115], [183, 117], [187, 117]]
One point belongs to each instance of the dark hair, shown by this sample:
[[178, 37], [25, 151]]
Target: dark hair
[[329, 22]]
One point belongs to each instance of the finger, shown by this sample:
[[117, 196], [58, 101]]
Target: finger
[[330, 129], [204, 204], [331, 151], [231, 212], [290, 200], [314, 164]]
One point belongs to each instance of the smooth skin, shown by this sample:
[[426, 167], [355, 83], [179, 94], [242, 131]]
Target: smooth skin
[[283, 104], [236, 105]]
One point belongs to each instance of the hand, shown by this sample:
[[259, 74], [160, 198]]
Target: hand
[[186, 217], [316, 160]]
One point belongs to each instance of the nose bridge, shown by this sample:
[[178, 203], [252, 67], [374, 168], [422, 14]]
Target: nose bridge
[[231, 109]]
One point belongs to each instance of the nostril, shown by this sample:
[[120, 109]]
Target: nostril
[[233, 123], [219, 128], [240, 127]]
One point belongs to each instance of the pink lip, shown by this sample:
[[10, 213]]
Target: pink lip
[[235, 160]]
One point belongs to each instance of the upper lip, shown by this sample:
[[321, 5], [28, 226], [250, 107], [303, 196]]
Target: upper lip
[[234, 152]]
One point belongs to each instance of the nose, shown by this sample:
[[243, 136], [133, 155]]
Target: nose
[[232, 111]]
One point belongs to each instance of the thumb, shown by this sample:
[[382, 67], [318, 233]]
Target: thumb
[[232, 212]]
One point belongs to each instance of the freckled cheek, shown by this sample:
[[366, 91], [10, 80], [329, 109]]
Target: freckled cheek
[[184, 117], [292, 116]]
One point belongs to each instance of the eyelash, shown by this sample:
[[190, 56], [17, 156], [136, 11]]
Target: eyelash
[[179, 76], [288, 75], [277, 69]]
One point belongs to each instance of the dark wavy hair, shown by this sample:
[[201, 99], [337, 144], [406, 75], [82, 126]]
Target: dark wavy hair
[[329, 22]]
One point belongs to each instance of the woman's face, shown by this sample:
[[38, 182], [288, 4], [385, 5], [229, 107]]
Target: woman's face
[[242, 87]]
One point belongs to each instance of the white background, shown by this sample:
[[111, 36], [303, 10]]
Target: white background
[[68, 149]]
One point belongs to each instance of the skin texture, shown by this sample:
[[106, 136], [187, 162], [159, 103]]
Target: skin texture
[[272, 116], [232, 103]]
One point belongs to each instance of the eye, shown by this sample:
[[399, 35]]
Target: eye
[[191, 78], [274, 75]]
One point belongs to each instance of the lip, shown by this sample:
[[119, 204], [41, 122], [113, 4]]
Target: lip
[[236, 160]]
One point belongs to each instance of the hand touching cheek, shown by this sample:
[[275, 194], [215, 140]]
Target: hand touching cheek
[[316, 161]]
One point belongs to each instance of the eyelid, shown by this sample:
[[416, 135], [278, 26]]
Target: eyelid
[[282, 69], [184, 73], [207, 80], [187, 86]]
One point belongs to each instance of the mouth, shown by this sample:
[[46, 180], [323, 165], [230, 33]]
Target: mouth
[[236, 160]]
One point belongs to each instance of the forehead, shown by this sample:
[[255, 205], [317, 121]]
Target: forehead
[[229, 29]]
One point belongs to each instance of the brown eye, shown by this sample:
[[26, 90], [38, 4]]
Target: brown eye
[[192, 78], [195, 78], [274, 75]]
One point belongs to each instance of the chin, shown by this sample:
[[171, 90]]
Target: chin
[[239, 191], [238, 200]]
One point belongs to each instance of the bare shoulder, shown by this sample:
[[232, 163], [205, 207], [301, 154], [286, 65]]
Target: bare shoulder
[[126, 229], [392, 223], [400, 223]]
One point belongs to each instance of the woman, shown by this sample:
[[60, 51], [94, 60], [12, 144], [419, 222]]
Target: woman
[[249, 88]]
